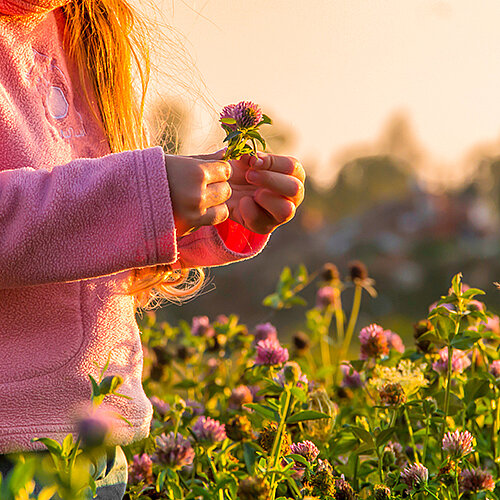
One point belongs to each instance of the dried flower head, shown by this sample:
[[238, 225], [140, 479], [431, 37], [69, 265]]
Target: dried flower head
[[381, 492], [421, 328], [357, 270], [291, 373], [322, 428], [266, 439], [458, 444], [239, 428], [459, 361], [330, 273], [209, 431], [141, 469], [473, 480], [373, 342], [254, 488], [173, 451], [306, 449], [392, 394], [408, 374], [320, 480], [160, 406], [270, 352], [414, 474], [301, 342]]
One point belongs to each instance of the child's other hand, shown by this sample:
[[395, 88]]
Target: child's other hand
[[199, 190], [266, 191]]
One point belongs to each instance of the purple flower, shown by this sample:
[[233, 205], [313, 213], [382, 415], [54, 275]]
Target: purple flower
[[246, 113], [141, 469], [306, 449], [458, 444], [159, 405], [173, 451], [373, 342], [394, 341], [270, 352], [94, 428], [209, 431], [492, 324], [193, 409], [472, 480], [325, 296], [351, 378], [265, 331], [291, 372], [201, 327], [414, 474], [495, 368], [459, 361]]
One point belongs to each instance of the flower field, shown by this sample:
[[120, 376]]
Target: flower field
[[240, 415]]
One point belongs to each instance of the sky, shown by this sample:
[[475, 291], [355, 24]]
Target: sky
[[336, 70]]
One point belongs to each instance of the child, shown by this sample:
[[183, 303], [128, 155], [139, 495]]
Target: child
[[90, 216]]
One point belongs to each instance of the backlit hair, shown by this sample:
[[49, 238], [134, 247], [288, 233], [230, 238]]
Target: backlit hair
[[108, 40]]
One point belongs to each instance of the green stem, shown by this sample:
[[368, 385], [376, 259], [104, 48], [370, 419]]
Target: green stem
[[352, 320], [426, 441], [325, 345], [339, 315], [496, 429], [410, 433], [214, 473], [276, 450]]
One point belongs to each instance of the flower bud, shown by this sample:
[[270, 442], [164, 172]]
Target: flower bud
[[357, 270]]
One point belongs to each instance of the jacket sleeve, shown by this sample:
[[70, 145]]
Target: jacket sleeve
[[218, 245], [88, 218], [29, 7]]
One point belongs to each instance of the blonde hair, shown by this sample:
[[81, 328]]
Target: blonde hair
[[108, 41]]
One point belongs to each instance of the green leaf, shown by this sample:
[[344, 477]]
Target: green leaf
[[476, 388], [456, 284], [384, 436], [455, 403], [232, 135], [264, 411], [249, 457], [364, 449], [306, 415], [265, 120], [472, 292], [465, 341], [51, 445], [186, 384], [228, 121], [300, 394], [363, 434]]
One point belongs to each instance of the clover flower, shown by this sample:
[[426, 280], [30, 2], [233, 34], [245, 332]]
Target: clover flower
[[246, 115], [201, 327], [373, 342], [408, 374], [350, 377], [320, 480], [492, 324], [141, 469], [494, 368], [209, 431], [173, 451], [458, 444], [193, 409], [392, 394], [161, 407], [239, 396], [325, 296], [306, 449], [94, 427], [254, 488], [420, 329], [359, 276], [394, 341], [473, 480], [343, 490], [393, 454], [459, 361], [414, 474], [264, 331], [292, 373], [330, 273], [270, 352]]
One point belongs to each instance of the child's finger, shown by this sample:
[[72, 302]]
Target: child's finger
[[280, 208], [284, 185], [255, 217], [217, 193], [218, 171], [282, 164], [214, 215]]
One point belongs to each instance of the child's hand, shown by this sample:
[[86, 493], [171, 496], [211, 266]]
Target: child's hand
[[199, 190], [266, 191]]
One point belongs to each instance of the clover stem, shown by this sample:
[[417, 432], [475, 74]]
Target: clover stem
[[410, 433], [352, 320], [276, 450]]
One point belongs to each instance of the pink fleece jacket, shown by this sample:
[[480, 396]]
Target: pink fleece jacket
[[74, 220]]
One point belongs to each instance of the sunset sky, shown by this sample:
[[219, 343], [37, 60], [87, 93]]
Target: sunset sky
[[335, 70]]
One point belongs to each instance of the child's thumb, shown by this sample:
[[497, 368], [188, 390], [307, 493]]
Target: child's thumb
[[218, 155]]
